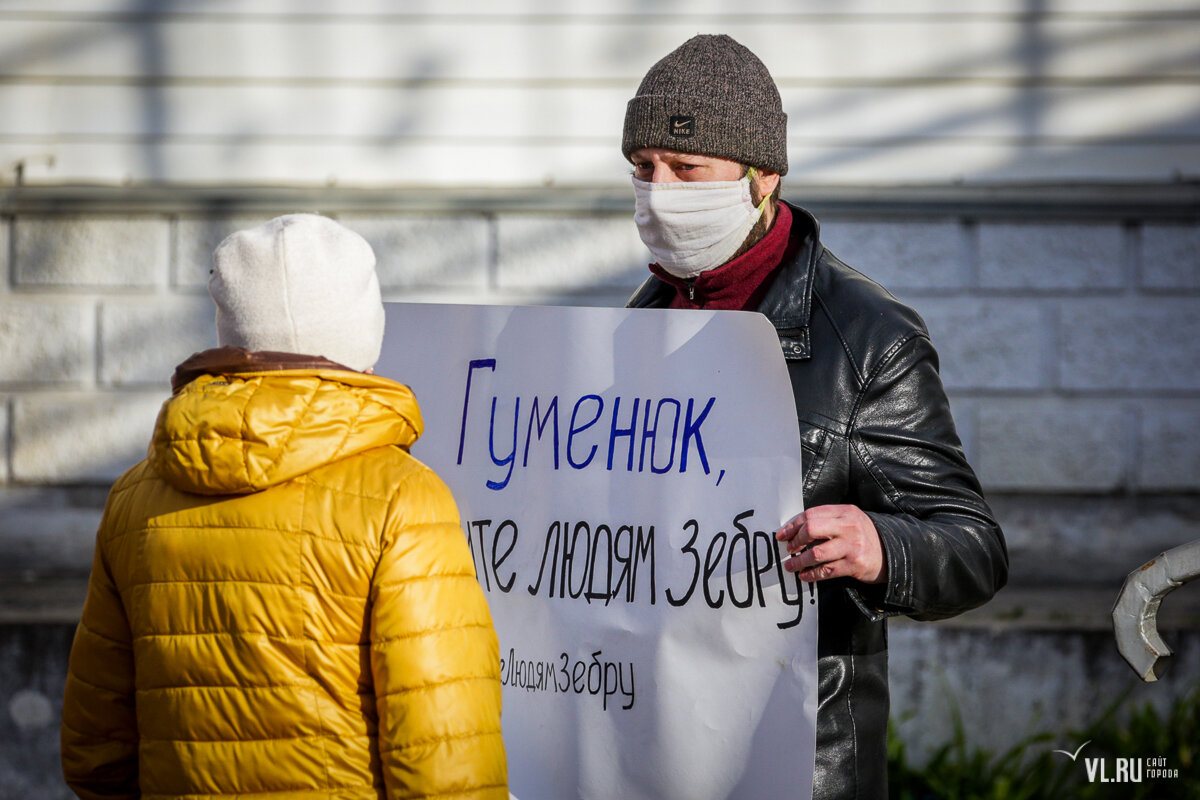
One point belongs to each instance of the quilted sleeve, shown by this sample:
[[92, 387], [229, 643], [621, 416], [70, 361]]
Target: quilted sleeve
[[99, 737], [435, 659]]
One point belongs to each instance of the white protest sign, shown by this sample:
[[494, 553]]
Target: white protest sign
[[620, 474]]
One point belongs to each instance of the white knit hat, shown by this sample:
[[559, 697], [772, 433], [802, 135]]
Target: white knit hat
[[302, 284]]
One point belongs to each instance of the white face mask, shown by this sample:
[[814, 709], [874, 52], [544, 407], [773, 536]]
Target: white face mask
[[692, 227]]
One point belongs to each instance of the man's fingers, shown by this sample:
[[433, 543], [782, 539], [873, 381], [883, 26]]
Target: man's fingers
[[822, 572], [811, 528], [823, 551], [792, 528], [826, 521], [832, 542]]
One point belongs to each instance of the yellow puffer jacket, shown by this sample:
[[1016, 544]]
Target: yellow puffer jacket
[[283, 604]]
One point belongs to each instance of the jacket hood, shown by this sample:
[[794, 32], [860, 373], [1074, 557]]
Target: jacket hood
[[236, 427]]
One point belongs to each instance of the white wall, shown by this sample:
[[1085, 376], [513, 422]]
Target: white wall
[[530, 93], [476, 146]]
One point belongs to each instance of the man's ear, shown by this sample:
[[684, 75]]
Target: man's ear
[[765, 183]]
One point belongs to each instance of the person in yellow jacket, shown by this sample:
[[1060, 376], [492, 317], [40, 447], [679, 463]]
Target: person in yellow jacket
[[282, 601]]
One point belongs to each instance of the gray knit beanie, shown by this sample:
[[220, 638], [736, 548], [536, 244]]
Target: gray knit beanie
[[301, 283], [713, 97]]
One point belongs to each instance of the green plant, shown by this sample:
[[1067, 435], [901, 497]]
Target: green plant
[[1030, 770]]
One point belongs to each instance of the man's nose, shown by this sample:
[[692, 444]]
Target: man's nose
[[663, 173]]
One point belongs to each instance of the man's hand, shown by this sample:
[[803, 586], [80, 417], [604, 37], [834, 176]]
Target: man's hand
[[833, 542]]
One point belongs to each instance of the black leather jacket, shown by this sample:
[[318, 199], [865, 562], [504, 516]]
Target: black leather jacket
[[876, 432]]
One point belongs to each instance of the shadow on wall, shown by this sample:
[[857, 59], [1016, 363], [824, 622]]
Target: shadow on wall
[[92, 415], [1020, 128], [1028, 117], [67, 440]]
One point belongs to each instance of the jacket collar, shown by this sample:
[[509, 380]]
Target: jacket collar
[[788, 301], [251, 420], [236, 360], [741, 283]]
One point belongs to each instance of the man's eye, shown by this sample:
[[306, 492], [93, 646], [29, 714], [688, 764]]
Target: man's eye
[[686, 167]]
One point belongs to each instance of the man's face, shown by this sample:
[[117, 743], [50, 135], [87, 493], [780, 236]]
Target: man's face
[[658, 165]]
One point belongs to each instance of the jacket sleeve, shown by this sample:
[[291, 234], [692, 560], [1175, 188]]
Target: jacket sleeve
[[435, 658], [945, 553], [99, 736]]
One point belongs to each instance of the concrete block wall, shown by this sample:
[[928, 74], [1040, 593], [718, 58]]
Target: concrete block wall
[[1067, 338], [1068, 347]]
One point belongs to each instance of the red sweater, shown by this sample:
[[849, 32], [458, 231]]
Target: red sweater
[[740, 284]]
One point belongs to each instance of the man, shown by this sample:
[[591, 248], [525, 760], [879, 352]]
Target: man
[[895, 522], [282, 602]]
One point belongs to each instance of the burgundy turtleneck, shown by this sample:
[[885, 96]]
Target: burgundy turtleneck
[[740, 284]]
